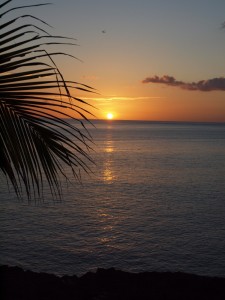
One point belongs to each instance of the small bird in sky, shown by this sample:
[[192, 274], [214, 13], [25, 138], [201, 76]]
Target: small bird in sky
[[103, 31]]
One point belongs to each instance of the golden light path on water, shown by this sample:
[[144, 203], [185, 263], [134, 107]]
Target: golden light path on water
[[108, 174], [107, 218]]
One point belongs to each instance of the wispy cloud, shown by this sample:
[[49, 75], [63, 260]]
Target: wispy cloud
[[214, 84], [119, 98]]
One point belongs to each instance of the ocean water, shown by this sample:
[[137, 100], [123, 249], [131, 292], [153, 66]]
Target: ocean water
[[155, 202]]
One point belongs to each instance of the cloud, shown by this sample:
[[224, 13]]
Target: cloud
[[120, 98], [214, 84]]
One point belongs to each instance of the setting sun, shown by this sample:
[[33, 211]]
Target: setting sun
[[109, 116]]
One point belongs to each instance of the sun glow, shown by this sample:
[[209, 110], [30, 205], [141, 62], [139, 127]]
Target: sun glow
[[109, 116]]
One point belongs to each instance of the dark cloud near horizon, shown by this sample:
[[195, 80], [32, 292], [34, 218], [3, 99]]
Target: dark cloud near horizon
[[214, 84]]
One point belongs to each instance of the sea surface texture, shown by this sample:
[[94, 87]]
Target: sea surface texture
[[155, 202]]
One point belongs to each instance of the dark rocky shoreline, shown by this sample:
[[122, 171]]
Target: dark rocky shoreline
[[17, 284]]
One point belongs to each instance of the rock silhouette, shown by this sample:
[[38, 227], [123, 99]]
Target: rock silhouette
[[108, 284]]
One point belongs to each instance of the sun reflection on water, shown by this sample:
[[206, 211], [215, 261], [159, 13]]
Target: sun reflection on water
[[106, 218], [109, 147], [107, 222], [108, 173]]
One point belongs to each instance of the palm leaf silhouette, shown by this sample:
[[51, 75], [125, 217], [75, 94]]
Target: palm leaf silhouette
[[36, 139]]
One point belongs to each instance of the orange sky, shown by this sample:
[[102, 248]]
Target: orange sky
[[170, 104]]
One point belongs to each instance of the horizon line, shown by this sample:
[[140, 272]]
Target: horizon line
[[154, 121]]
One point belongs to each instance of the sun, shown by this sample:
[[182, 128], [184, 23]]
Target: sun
[[109, 116]]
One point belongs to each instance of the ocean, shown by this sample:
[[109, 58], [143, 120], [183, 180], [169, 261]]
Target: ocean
[[154, 202]]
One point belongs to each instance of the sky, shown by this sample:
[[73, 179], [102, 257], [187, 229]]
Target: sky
[[160, 60]]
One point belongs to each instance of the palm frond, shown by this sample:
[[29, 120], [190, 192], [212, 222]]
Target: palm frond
[[36, 140]]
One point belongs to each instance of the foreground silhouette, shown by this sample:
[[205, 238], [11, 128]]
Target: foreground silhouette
[[108, 284], [36, 140]]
